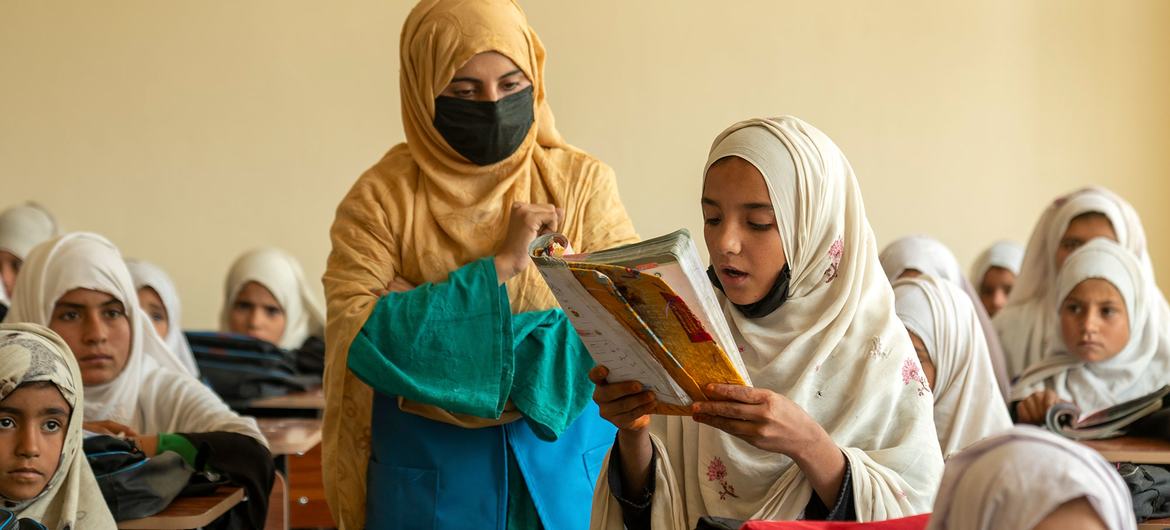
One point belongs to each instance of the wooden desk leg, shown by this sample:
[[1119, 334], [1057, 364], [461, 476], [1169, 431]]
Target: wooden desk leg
[[278, 505]]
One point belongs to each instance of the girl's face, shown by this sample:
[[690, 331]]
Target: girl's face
[[740, 230], [1082, 229], [923, 358], [152, 303], [995, 287], [256, 313], [95, 326], [33, 421], [1094, 321], [9, 267]]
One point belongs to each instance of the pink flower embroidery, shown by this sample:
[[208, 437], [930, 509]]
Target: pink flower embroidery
[[836, 251], [911, 373], [717, 472]]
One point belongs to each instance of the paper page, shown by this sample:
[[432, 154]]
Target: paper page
[[608, 341]]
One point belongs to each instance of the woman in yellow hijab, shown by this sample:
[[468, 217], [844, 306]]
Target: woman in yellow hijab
[[477, 388]]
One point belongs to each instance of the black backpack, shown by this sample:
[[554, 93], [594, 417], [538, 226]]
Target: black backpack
[[241, 368], [133, 485]]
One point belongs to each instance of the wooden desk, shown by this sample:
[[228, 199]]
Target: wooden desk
[[1155, 524], [1132, 449], [290, 436], [308, 400], [189, 512]]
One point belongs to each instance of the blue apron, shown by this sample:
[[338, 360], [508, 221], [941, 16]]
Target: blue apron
[[425, 474]]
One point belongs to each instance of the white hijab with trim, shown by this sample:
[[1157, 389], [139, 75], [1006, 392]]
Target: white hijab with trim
[[22, 228], [71, 499], [146, 274], [1003, 254], [282, 275], [1014, 480], [835, 348], [1024, 324], [1143, 366], [932, 258], [966, 395]]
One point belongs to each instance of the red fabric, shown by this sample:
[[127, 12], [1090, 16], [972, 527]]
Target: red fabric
[[917, 522]]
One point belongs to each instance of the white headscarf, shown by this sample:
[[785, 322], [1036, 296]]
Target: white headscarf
[[835, 348], [1025, 322], [22, 228], [1003, 254], [71, 499], [932, 258], [153, 387], [146, 274], [1143, 366], [281, 274], [966, 396], [1015, 480]]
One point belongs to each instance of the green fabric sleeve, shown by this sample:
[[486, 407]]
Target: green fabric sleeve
[[178, 444]]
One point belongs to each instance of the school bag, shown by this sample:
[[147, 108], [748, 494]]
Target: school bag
[[134, 485], [241, 368]]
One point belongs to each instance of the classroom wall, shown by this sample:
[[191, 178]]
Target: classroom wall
[[189, 131]]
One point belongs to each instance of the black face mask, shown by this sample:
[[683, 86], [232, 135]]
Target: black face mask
[[485, 132], [769, 303]]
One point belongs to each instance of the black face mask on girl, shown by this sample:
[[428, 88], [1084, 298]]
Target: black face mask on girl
[[485, 132]]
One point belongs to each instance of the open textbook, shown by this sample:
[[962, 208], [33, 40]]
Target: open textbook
[[648, 313], [1067, 419]]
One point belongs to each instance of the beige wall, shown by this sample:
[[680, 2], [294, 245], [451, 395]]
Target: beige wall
[[188, 131]]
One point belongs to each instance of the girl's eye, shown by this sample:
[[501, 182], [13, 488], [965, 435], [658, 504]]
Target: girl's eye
[[7, 423], [113, 313], [1108, 311], [157, 317], [712, 221], [52, 426], [511, 85], [465, 93], [760, 227], [273, 311], [68, 316], [1072, 309]]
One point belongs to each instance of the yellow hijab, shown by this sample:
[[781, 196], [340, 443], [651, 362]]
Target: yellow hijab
[[424, 211]]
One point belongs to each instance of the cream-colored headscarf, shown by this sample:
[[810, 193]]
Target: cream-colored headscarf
[[967, 400], [424, 211], [71, 499], [1003, 254], [1143, 366], [1014, 480], [932, 258], [281, 274], [1024, 324], [22, 228], [146, 274], [835, 348]]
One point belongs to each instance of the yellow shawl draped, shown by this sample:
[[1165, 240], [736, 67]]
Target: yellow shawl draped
[[424, 211]]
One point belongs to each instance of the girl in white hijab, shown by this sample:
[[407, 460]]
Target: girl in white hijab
[[994, 274], [1102, 352], [21, 228], [1029, 479], [152, 394], [1072, 220], [942, 319], [839, 423], [914, 255], [280, 275], [70, 499], [147, 275]]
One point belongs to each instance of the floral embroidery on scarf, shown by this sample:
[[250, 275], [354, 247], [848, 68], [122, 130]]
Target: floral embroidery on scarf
[[877, 349], [717, 472], [836, 251], [912, 373]]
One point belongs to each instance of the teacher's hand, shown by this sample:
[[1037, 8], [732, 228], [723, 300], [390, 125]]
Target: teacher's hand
[[760, 417], [526, 223]]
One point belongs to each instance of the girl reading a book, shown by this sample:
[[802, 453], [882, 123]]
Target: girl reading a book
[[994, 274], [1112, 340], [949, 341], [43, 473], [78, 286], [1026, 322], [839, 423], [456, 395], [1031, 479], [922, 255], [267, 297]]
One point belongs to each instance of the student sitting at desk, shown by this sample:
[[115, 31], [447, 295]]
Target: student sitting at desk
[[44, 476], [994, 274], [266, 297], [21, 228], [160, 300], [78, 286], [1114, 331]]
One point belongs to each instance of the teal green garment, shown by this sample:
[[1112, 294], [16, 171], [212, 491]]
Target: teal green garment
[[456, 345]]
